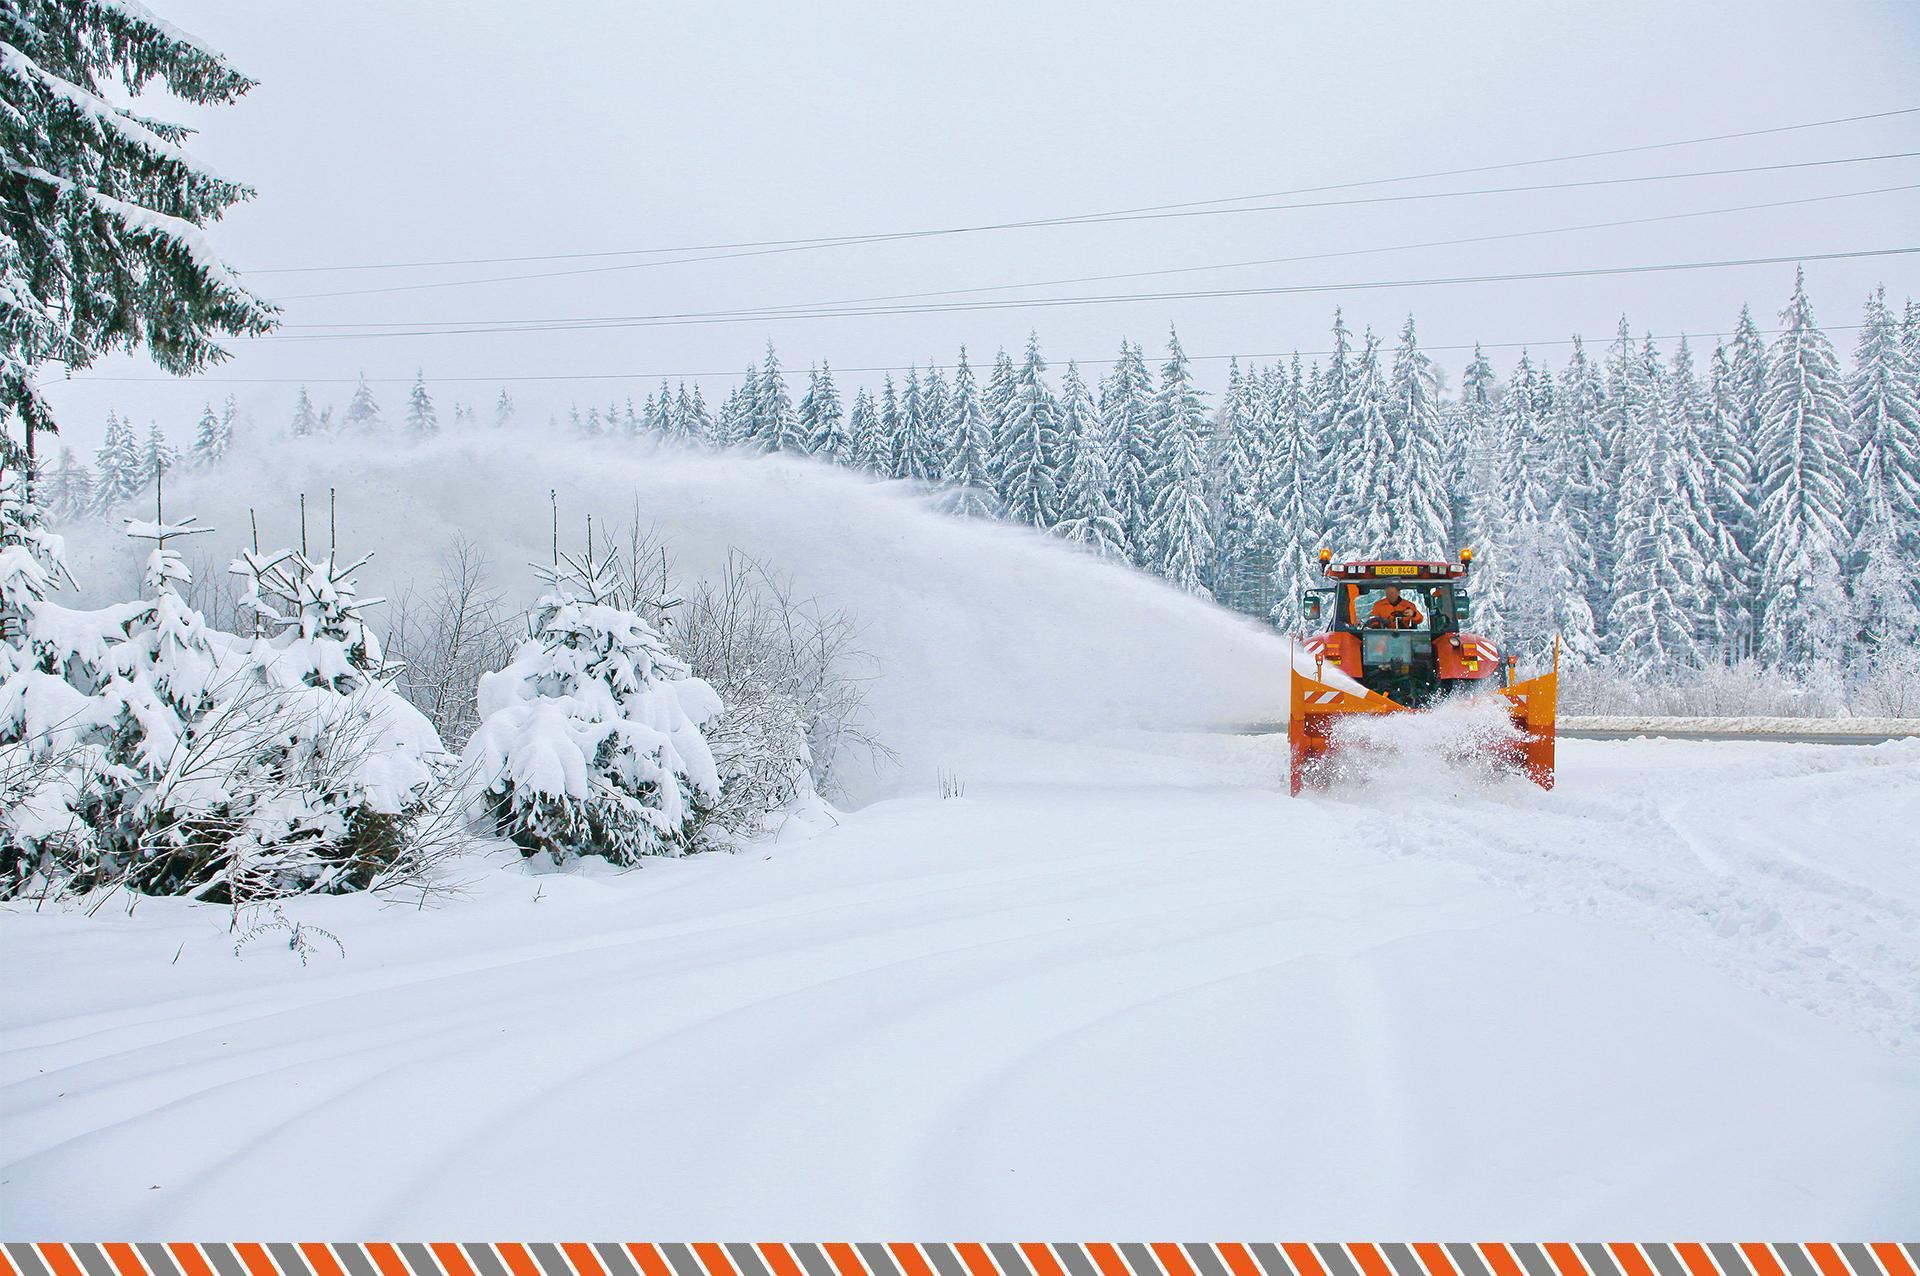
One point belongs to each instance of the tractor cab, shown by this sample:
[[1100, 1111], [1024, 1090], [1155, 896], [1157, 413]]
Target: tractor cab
[[1396, 627]]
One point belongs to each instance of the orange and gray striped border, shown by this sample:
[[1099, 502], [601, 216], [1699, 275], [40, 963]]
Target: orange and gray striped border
[[899, 1259]]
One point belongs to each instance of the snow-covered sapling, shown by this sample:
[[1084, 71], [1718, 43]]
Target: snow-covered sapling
[[590, 739]]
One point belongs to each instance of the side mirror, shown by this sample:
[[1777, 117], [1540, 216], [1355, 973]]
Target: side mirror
[[1310, 605], [1462, 607]]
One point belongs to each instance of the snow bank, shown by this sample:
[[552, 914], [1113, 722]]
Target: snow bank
[[1754, 728], [974, 627]]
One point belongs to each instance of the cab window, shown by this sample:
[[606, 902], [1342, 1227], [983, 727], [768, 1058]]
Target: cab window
[[1433, 606]]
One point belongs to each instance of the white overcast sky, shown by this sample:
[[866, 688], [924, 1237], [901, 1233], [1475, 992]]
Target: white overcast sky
[[421, 130]]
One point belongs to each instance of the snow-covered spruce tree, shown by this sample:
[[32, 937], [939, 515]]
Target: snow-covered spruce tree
[[503, 410], [423, 420], [1126, 417], [1181, 523], [590, 739], [1510, 508], [1027, 449], [865, 443], [1295, 498], [1885, 552], [178, 759], [1241, 561], [887, 458], [822, 422], [1332, 399], [1473, 430], [996, 401], [656, 420], [1529, 568], [1731, 456], [1621, 409], [1087, 516], [907, 437], [363, 413], [116, 466], [1077, 415], [333, 769], [1803, 477], [305, 419], [152, 826], [101, 207], [1657, 570], [968, 476], [1360, 509], [934, 393], [699, 427], [51, 736], [1422, 505], [209, 441], [66, 491], [1739, 443], [741, 430], [1579, 461], [157, 456], [776, 424], [1697, 516], [916, 451]]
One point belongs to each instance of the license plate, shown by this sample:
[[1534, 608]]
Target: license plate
[[1396, 569]]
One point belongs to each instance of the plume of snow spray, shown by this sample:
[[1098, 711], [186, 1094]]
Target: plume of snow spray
[[1464, 739]]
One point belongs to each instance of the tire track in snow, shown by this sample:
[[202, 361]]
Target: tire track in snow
[[1614, 859]]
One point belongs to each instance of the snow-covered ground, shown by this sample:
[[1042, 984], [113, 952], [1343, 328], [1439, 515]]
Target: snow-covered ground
[[1120, 987]]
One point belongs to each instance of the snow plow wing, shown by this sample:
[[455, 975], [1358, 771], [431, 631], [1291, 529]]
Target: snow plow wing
[[1534, 705], [1314, 707]]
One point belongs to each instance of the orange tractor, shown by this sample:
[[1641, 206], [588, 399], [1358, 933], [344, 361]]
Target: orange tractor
[[1396, 629]]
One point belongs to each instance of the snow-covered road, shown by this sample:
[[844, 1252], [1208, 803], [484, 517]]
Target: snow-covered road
[[1117, 988]]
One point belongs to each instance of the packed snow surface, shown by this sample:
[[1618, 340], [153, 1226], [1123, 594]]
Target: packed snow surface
[[1119, 987]]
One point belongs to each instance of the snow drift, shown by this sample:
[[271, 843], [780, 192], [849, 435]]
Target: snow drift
[[974, 627]]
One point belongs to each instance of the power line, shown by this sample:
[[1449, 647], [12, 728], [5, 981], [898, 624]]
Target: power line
[[699, 318], [1231, 199], [1703, 331], [1588, 183], [1176, 270]]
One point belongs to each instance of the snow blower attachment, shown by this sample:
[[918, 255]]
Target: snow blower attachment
[[1393, 642]]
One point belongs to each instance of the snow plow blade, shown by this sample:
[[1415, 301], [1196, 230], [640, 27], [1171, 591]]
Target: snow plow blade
[[1534, 705], [1314, 707]]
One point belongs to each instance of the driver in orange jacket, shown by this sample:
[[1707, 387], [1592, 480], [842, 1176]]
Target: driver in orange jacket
[[1394, 612]]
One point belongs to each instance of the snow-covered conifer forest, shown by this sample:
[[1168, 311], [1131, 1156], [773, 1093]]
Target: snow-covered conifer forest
[[1663, 506]]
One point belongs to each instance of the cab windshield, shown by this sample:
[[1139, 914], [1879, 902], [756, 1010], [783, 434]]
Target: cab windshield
[[1419, 608]]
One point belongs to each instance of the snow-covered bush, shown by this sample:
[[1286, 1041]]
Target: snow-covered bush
[[338, 770], [789, 672], [590, 739], [1886, 683], [142, 747], [1741, 690]]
